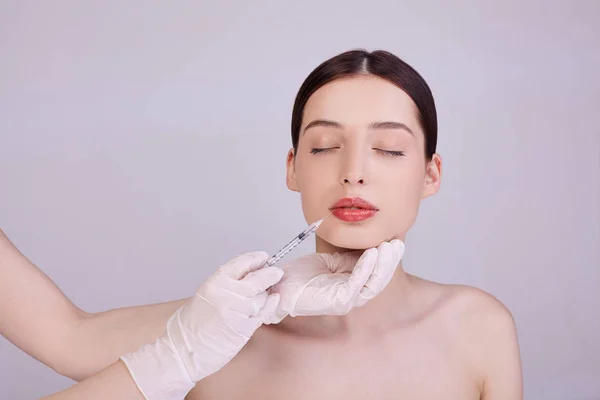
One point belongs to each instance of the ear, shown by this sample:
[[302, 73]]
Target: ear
[[433, 176], [291, 171]]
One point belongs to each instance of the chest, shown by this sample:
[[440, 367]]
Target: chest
[[381, 368]]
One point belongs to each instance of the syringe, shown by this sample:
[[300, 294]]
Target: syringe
[[294, 242]]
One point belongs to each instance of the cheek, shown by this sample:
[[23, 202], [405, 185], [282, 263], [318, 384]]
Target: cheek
[[403, 195], [313, 173], [313, 183]]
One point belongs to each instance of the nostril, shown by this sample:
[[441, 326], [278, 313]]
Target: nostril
[[355, 181]]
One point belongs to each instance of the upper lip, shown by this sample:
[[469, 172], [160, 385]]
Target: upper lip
[[357, 202]]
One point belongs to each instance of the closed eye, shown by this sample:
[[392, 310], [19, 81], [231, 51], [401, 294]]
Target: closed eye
[[390, 152], [394, 153], [317, 150]]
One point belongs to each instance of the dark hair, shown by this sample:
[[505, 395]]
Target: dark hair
[[379, 63]]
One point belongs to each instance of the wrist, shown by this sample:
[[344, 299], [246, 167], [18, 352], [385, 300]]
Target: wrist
[[158, 371]]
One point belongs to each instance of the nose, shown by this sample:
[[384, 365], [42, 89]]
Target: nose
[[353, 171]]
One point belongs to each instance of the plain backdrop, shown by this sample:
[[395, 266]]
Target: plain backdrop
[[143, 144]]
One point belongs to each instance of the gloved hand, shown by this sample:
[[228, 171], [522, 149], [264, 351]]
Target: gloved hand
[[333, 284], [209, 330]]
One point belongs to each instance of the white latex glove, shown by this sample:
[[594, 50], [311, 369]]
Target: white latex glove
[[333, 284], [209, 330]]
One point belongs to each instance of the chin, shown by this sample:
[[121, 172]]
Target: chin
[[352, 238]]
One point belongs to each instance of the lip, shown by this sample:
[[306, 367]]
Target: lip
[[360, 211]]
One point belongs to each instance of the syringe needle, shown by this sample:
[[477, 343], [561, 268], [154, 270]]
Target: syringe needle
[[295, 242]]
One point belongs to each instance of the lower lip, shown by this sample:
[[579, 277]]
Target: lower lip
[[353, 215]]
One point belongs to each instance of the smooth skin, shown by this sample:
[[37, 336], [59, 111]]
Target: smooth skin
[[417, 339], [83, 346]]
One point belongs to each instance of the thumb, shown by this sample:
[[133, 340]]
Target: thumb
[[268, 313], [388, 258], [360, 275], [363, 269]]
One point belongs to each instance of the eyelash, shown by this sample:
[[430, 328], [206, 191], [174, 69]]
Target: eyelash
[[385, 152]]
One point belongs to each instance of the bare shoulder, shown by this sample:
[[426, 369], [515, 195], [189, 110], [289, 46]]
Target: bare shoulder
[[482, 319], [488, 326], [478, 308], [486, 333], [468, 303]]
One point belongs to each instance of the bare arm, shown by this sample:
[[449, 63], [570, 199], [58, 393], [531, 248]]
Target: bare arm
[[502, 363], [492, 342], [113, 382], [39, 319]]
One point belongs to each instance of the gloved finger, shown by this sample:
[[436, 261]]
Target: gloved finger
[[243, 264], [258, 303], [258, 281], [224, 289], [268, 312], [274, 318], [248, 307], [358, 278], [220, 294], [389, 255]]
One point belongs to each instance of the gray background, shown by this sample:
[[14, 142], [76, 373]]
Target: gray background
[[143, 144]]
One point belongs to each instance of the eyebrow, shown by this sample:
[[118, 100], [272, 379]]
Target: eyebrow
[[374, 125]]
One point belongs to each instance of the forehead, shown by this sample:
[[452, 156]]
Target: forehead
[[361, 100]]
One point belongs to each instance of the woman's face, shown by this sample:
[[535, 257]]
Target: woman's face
[[360, 138]]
